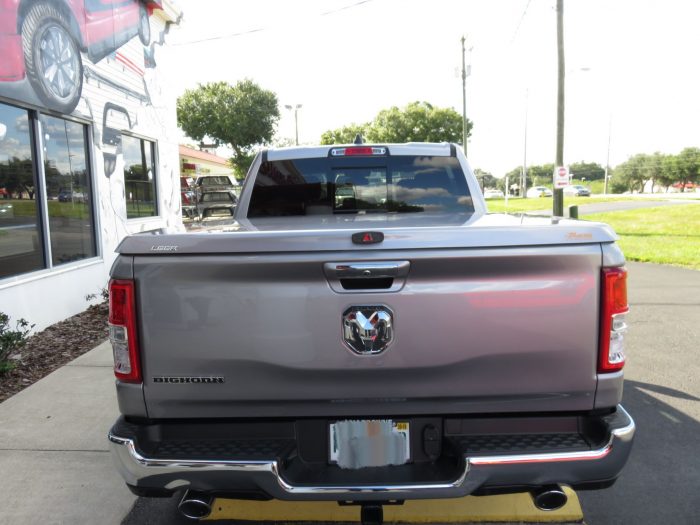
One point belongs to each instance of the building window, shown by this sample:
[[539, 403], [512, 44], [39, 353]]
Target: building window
[[68, 189], [139, 177], [20, 234], [25, 245]]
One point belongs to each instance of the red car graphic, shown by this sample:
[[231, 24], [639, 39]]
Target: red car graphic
[[43, 40]]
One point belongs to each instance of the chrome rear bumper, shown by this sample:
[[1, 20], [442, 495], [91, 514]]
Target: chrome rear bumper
[[572, 468]]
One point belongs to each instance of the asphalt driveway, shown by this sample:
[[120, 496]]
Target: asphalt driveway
[[602, 207]]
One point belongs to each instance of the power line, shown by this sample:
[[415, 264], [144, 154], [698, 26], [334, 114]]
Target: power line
[[522, 17], [261, 29], [333, 11]]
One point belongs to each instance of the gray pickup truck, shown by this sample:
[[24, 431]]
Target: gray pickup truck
[[365, 332]]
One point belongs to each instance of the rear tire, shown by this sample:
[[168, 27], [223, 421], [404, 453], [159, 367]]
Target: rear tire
[[52, 58]]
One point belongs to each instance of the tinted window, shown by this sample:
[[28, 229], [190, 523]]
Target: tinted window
[[324, 186], [139, 177]]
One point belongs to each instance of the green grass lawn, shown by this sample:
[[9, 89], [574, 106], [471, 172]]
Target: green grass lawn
[[140, 209], [663, 235], [27, 208]]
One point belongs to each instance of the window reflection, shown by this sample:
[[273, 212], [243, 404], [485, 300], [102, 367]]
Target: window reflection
[[20, 238], [139, 177], [68, 190]]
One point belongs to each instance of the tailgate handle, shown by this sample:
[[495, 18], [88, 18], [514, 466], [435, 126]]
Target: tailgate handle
[[372, 270], [358, 277]]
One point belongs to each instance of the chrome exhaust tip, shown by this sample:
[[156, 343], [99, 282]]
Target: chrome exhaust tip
[[549, 497], [195, 505]]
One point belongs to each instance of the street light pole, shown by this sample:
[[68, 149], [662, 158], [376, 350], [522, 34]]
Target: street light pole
[[296, 108]]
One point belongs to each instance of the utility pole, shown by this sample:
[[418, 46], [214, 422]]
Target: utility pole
[[523, 179], [465, 74], [607, 160], [558, 200]]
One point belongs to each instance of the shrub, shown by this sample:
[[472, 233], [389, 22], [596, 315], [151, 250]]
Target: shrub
[[103, 294], [11, 340]]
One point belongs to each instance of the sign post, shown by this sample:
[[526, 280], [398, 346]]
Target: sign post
[[560, 180]]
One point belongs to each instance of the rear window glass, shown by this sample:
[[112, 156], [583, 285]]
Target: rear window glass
[[326, 186], [217, 197], [215, 181]]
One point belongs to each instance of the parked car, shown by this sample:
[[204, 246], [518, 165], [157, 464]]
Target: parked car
[[577, 190], [539, 191], [207, 183], [30, 29], [7, 211], [216, 204], [493, 194], [71, 196]]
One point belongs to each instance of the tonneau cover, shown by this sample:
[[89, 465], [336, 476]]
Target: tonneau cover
[[401, 232]]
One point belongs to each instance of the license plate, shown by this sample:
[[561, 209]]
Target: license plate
[[357, 444]]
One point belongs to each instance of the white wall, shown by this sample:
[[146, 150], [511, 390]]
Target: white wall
[[51, 295]]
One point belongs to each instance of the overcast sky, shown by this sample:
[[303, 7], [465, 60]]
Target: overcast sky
[[633, 67]]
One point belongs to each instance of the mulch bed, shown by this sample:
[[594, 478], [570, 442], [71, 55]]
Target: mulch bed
[[55, 346]]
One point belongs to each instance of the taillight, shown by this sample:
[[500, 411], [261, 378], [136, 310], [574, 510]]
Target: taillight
[[122, 331], [613, 311]]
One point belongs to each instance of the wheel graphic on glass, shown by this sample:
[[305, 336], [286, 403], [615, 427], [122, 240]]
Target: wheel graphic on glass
[[52, 58]]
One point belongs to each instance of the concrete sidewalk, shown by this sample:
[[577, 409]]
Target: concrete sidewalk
[[54, 459]]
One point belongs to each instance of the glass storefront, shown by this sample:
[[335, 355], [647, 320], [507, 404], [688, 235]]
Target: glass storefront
[[25, 244]]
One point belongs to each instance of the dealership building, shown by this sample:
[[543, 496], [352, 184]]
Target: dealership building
[[88, 146]]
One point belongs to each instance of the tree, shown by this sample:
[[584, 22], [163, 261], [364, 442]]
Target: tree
[[669, 170], [486, 180], [631, 174], [240, 116], [654, 169], [587, 170], [514, 179], [688, 166], [417, 122], [16, 176], [240, 164], [344, 135], [540, 175]]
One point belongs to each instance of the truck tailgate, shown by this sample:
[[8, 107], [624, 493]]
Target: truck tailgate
[[476, 330]]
